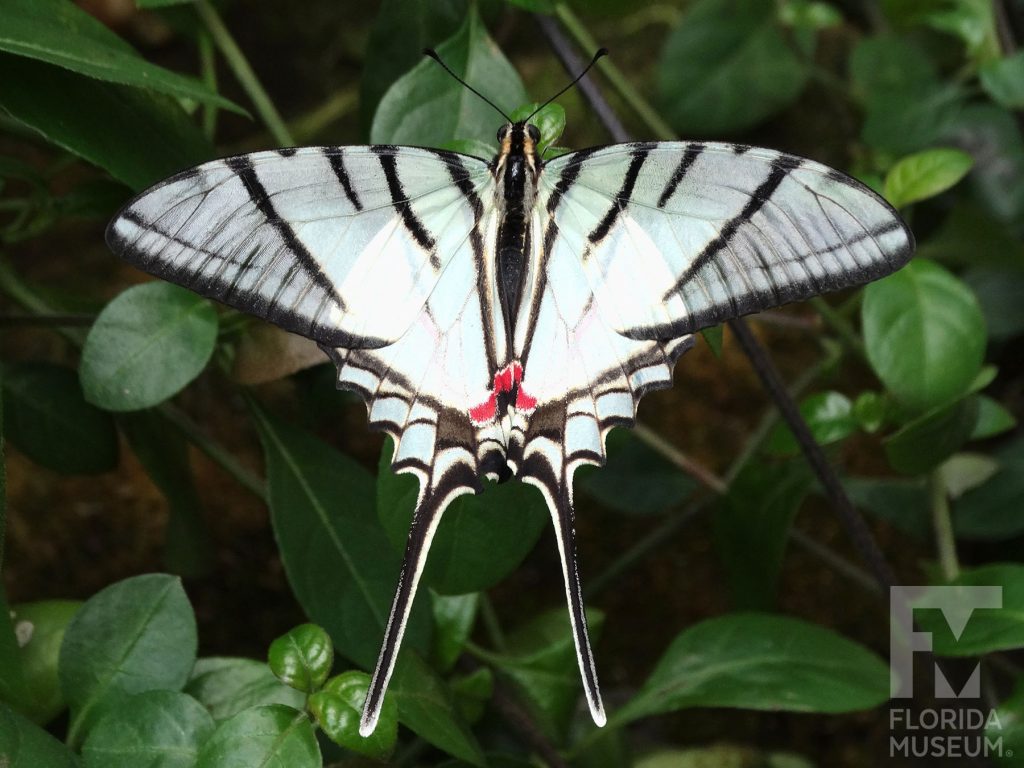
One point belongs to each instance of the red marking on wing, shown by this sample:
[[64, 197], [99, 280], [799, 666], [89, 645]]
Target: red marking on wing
[[505, 380]]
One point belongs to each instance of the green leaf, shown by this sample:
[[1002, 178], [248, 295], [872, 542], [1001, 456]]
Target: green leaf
[[226, 686], [829, 415], [535, 6], [993, 419], [1010, 727], [987, 629], [481, 539], [972, 236], [39, 628], [751, 527], [550, 121], [49, 420], [992, 136], [102, 122], [964, 471], [1003, 80], [59, 32], [636, 479], [13, 683], [998, 290], [428, 107], [870, 410], [25, 745], [338, 708], [763, 662], [726, 67], [925, 174], [924, 334], [805, 14], [927, 441], [136, 635], [903, 503], [272, 736], [146, 346], [302, 657], [889, 63], [454, 618], [991, 512], [155, 729]]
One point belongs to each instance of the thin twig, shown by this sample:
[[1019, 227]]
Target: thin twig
[[692, 467]]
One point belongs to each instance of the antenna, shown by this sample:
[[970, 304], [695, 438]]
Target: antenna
[[600, 52], [433, 54]]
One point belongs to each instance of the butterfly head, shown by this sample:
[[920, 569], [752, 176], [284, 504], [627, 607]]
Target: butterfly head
[[518, 138]]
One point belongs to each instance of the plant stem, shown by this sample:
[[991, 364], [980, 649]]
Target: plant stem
[[942, 523], [208, 65], [243, 72], [491, 624]]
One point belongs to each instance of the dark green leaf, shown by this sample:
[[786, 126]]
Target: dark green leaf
[[761, 661], [987, 629], [903, 503], [274, 736], [727, 67], [59, 32], [1008, 727], [1000, 291], [751, 526], [481, 539], [924, 334], [809, 15], [302, 657], [40, 628], [50, 422], [903, 122], [25, 745], [146, 345], [714, 336], [155, 729], [454, 617], [1003, 79], [889, 64], [338, 708], [13, 684], [992, 510], [535, 6], [636, 479], [972, 236], [136, 635], [993, 419], [829, 415], [930, 439], [102, 122], [925, 174], [226, 686], [428, 107], [992, 137]]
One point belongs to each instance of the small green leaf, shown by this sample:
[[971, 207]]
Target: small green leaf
[[59, 32], [924, 334], [830, 417], [49, 420], [146, 345], [870, 410], [903, 503], [1003, 79], [428, 107], [337, 710], [25, 745], [714, 337], [39, 628], [454, 618], [226, 686], [136, 635], [155, 729], [806, 14], [925, 174], [727, 67], [764, 662], [993, 419], [962, 472], [302, 657], [274, 736], [927, 441]]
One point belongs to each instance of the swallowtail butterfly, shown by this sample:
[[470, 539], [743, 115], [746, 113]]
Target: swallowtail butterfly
[[500, 316]]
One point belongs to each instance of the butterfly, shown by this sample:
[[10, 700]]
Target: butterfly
[[500, 316]]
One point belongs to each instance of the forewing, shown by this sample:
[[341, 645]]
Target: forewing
[[675, 236], [340, 244]]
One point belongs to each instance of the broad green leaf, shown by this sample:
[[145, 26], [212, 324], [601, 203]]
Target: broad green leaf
[[226, 686], [472, 147], [727, 67], [636, 479], [39, 629], [454, 618], [987, 629], [163, 453], [991, 135], [751, 527], [146, 346], [428, 107], [973, 237], [49, 420], [155, 729], [136, 635], [1003, 79], [400, 32], [993, 419], [481, 539], [761, 661], [973, 21], [302, 657], [991, 512], [829, 415], [903, 503], [102, 122], [927, 441], [338, 708], [888, 63], [550, 121], [59, 32], [924, 334], [999, 291], [24, 744], [925, 174], [271, 736]]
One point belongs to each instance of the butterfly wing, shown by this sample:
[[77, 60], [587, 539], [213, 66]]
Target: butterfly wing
[[327, 242]]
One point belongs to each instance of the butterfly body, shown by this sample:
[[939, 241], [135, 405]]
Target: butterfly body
[[500, 317]]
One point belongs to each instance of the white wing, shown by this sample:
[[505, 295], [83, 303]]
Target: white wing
[[340, 244], [678, 236]]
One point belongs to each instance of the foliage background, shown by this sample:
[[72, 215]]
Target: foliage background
[[717, 574]]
